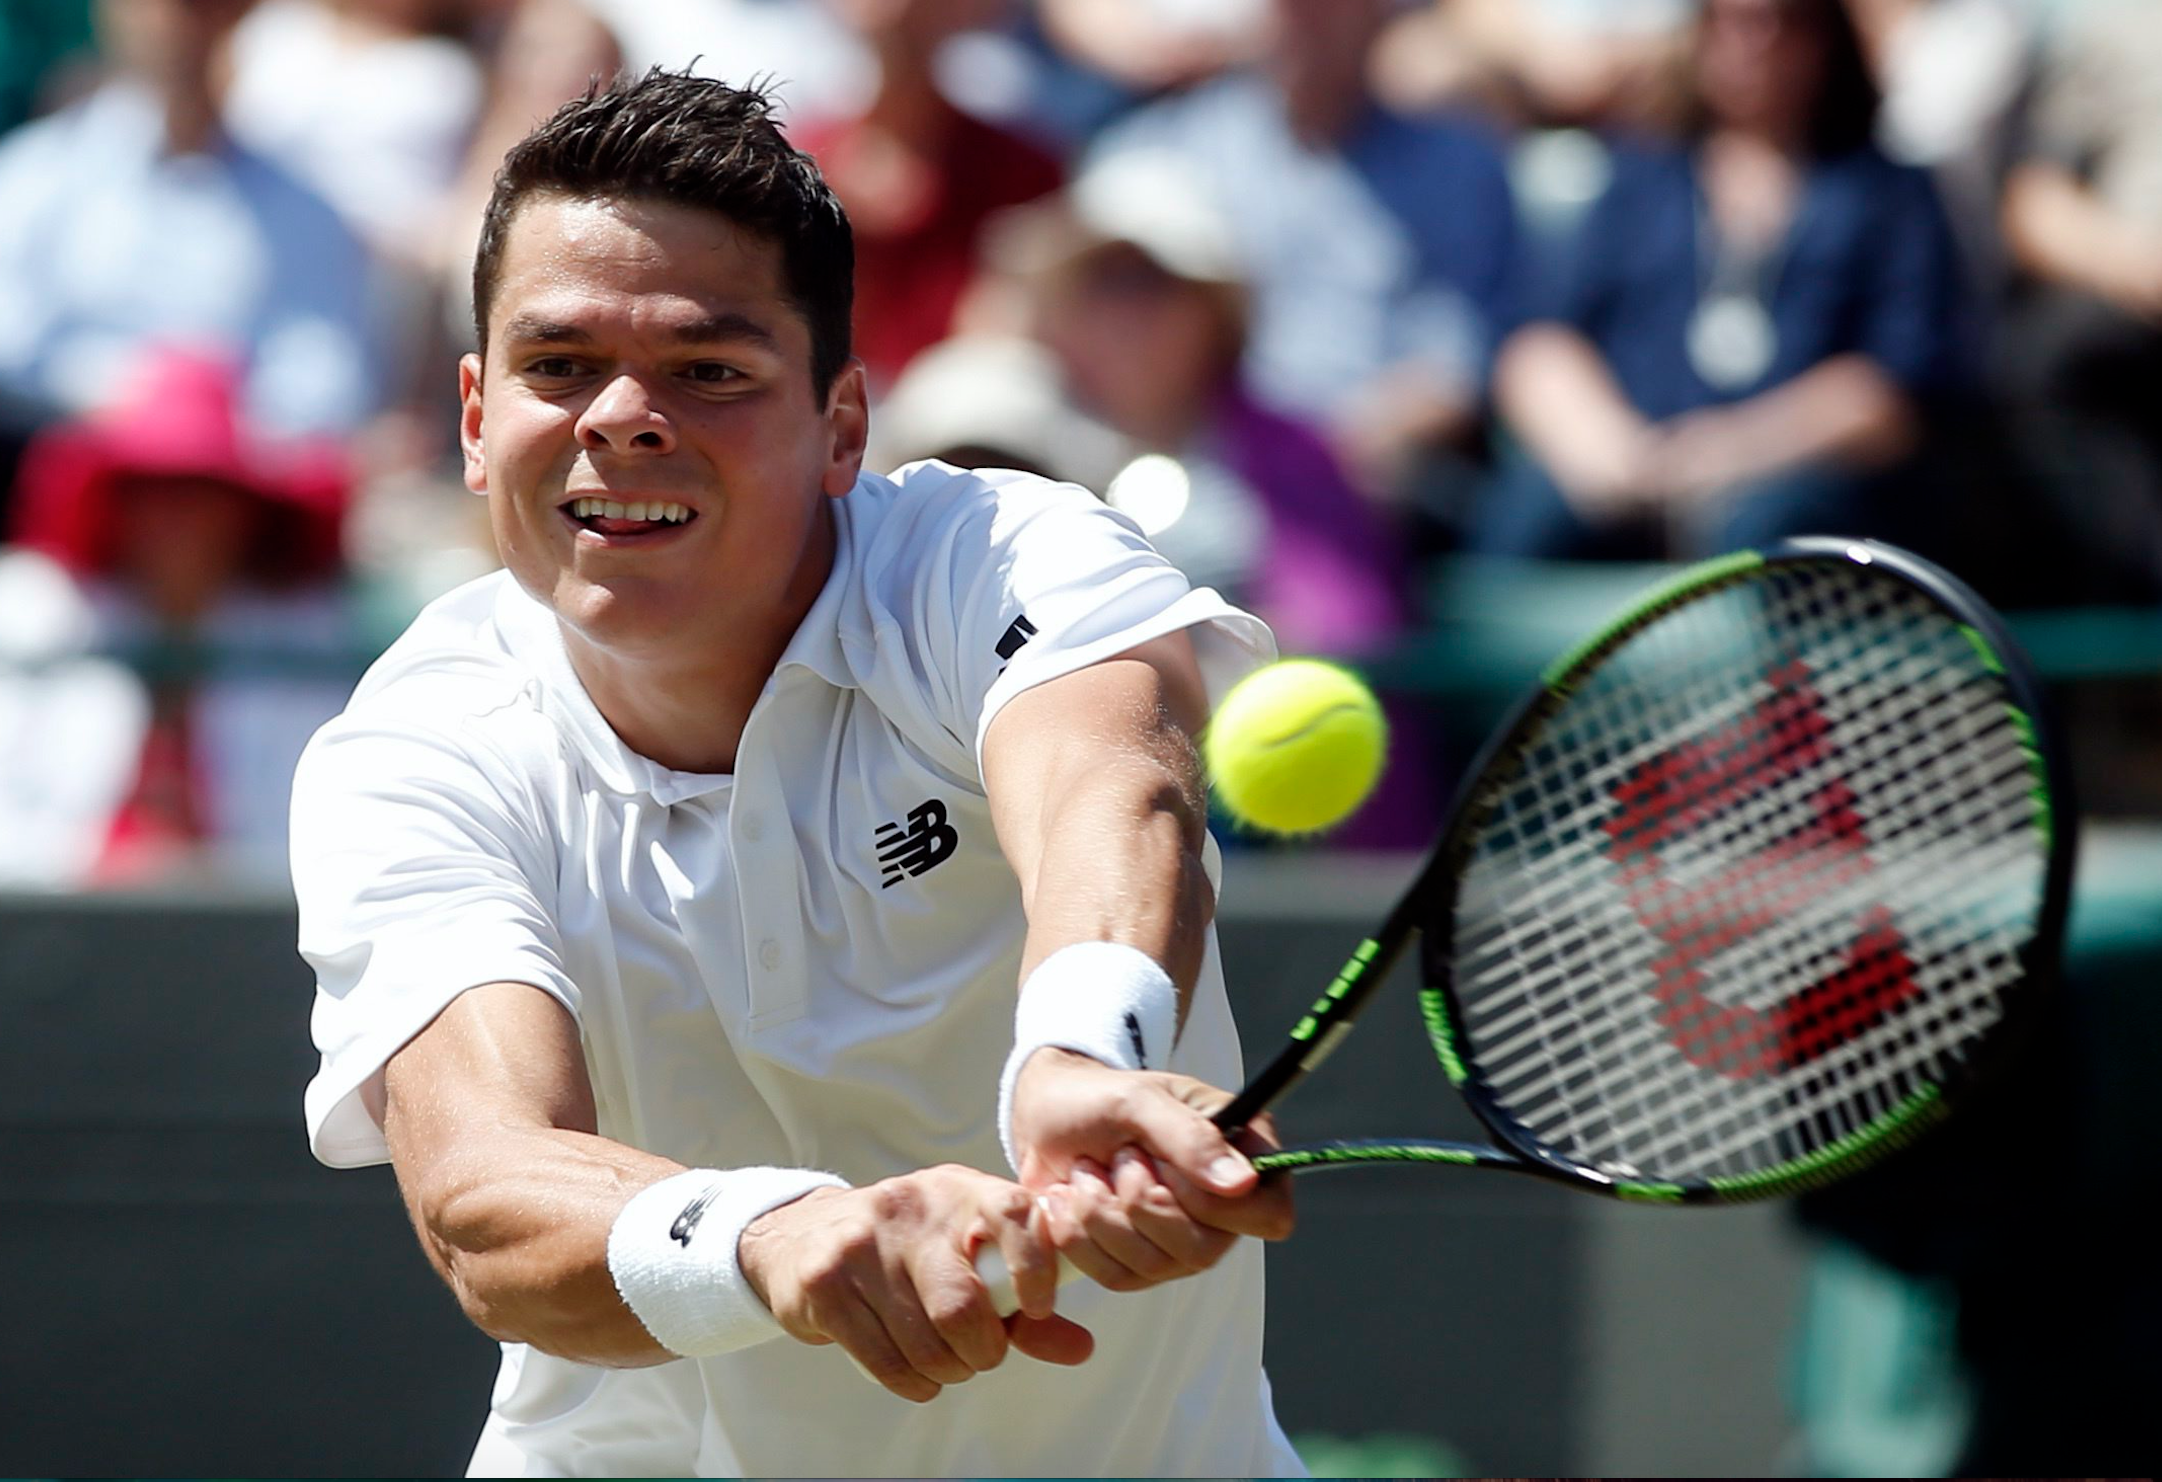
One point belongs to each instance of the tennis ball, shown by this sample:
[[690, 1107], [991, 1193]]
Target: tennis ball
[[1295, 747]]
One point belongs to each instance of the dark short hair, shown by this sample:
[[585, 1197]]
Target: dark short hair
[[1844, 117], [688, 141]]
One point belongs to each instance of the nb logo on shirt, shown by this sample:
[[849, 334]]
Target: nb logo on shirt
[[928, 840]]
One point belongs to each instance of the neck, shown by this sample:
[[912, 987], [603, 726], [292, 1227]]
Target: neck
[[1757, 141], [1321, 112], [685, 704]]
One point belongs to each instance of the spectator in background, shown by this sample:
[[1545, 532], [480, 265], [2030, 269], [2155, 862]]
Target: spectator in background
[[1955, 75], [1140, 295], [370, 102], [987, 399], [1152, 46], [918, 177], [1538, 63], [132, 218], [2083, 348], [543, 53], [1377, 248], [1755, 325], [1132, 281], [166, 529]]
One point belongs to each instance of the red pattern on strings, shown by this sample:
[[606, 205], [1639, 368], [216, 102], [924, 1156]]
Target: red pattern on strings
[[1685, 787]]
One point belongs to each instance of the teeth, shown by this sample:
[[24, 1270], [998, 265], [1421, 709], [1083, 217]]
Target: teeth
[[587, 508]]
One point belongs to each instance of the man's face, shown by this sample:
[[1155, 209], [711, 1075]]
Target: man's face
[[645, 429]]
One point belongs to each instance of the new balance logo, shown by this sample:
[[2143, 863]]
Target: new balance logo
[[1018, 632], [927, 840]]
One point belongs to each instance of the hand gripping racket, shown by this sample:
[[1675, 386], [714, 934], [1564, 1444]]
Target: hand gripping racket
[[1740, 898]]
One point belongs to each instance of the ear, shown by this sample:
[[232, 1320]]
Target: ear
[[848, 428], [469, 420]]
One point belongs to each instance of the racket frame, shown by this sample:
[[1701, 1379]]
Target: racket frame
[[1427, 906]]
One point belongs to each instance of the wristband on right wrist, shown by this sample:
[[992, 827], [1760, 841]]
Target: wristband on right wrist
[[1106, 1000]]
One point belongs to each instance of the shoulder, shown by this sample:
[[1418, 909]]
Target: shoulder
[[460, 685], [946, 559], [927, 514]]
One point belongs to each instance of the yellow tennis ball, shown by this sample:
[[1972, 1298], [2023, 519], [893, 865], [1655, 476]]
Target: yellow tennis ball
[[1295, 747]]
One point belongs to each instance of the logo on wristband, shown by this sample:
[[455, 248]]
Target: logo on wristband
[[1133, 1032], [693, 1212]]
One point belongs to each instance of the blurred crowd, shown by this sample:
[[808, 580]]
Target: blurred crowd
[[1322, 293]]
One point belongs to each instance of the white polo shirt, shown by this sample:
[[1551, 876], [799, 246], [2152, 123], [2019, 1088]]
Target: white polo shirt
[[812, 962]]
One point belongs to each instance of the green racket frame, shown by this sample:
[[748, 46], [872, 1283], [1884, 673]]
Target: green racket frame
[[1428, 906]]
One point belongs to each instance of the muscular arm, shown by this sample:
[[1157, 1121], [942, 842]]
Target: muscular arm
[[491, 1128], [491, 1123], [1096, 794], [1097, 798]]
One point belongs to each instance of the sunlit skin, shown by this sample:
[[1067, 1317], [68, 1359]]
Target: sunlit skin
[[648, 352]]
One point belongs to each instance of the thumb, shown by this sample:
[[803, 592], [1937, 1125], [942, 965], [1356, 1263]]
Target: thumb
[[1180, 1134]]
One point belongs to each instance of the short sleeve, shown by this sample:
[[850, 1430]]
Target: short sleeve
[[420, 872], [1041, 579]]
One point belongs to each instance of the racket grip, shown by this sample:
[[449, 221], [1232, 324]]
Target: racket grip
[[991, 1271]]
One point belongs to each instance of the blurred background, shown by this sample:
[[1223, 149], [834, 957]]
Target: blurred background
[[1427, 329]]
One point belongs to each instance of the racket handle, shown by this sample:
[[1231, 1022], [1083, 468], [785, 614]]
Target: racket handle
[[991, 1271]]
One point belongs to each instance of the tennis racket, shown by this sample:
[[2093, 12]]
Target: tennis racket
[[1746, 891]]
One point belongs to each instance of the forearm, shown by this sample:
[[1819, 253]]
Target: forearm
[[1121, 862], [517, 1222], [2061, 232], [1844, 411], [1559, 398], [1097, 796]]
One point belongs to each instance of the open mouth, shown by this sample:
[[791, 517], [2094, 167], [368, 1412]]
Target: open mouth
[[627, 517]]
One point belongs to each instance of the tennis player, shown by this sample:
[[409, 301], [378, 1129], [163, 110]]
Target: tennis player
[[668, 893]]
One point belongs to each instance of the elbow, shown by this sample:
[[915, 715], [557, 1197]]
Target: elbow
[[1886, 425], [534, 1290]]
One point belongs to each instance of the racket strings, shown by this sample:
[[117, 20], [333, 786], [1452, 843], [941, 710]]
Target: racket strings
[[1745, 976], [1739, 974], [1743, 896]]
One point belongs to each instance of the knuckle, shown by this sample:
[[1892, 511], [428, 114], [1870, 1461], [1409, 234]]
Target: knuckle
[[897, 1199], [952, 1310], [1013, 1205]]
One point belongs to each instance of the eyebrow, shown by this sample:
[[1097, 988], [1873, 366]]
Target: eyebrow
[[723, 328]]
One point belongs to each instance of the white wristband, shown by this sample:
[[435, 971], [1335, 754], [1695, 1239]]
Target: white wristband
[[672, 1252], [1108, 1001]]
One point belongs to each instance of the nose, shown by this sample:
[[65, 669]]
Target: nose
[[622, 418]]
